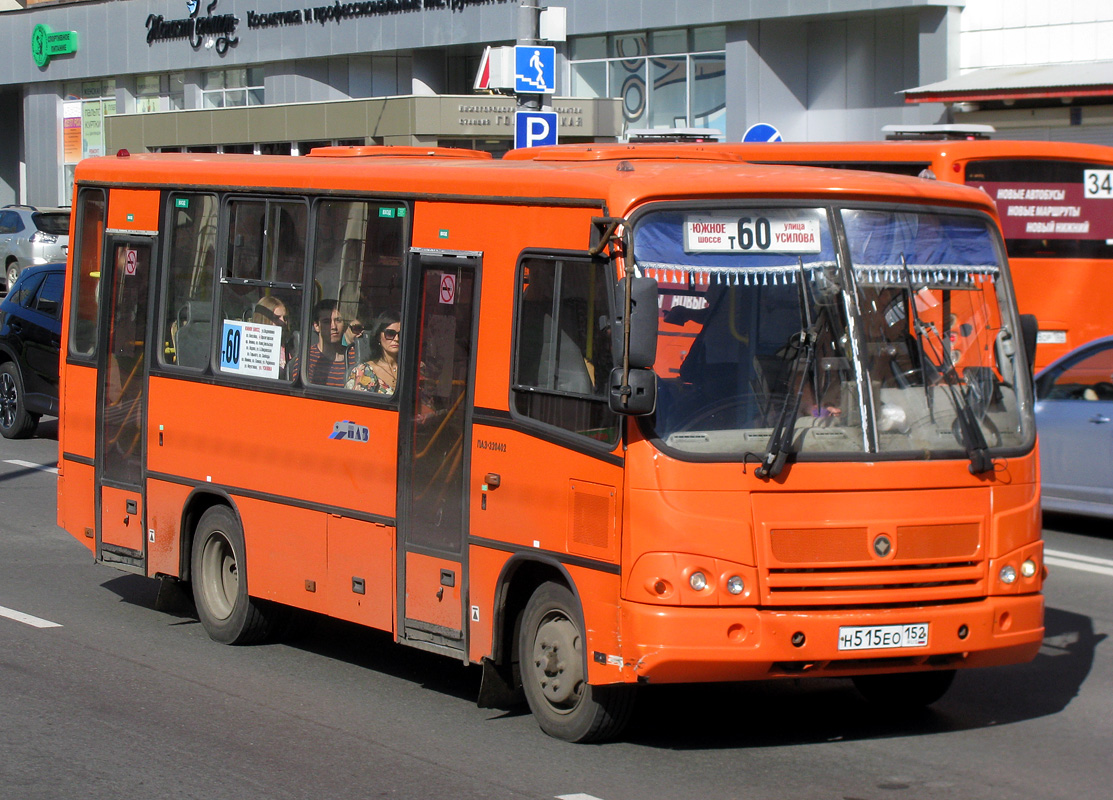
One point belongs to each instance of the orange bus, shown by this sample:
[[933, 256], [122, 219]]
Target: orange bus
[[1055, 203], [443, 396]]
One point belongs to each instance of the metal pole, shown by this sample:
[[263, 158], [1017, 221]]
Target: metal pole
[[529, 32]]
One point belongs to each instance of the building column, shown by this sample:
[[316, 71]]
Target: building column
[[938, 53], [42, 151]]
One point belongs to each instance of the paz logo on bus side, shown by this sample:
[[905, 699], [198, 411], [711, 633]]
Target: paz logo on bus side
[[346, 429]]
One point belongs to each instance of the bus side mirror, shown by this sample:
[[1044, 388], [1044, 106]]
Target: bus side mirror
[[1029, 327], [643, 322], [633, 383], [634, 393]]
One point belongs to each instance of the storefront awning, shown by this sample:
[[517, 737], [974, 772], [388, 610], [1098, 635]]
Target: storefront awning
[[1091, 79]]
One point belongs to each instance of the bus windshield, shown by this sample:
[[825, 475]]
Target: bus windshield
[[772, 336]]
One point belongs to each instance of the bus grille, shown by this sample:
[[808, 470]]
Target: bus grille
[[843, 566]]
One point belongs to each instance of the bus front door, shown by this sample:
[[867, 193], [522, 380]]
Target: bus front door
[[121, 402], [434, 451]]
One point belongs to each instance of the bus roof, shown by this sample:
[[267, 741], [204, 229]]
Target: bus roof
[[618, 177], [899, 150]]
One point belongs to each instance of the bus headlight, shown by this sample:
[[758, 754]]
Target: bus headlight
[[1028, 568], [698, 581], [1007, 574], [735, 585]]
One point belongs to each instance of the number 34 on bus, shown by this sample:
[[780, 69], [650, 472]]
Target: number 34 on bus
[[678, 419]]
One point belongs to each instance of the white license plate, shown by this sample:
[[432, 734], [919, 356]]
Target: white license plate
[[1051, 337], [883, 637]]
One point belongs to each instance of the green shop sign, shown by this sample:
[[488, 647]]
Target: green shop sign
[[45, 45]]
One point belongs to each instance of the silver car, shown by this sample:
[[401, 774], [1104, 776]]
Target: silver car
[[1074, 417], [30, 236]]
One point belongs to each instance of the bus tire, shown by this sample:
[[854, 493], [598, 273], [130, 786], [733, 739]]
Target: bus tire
[[553, 670], [228, 614], [904, 691], [16, 422]]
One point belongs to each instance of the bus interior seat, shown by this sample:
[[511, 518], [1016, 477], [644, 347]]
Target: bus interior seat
[[571, 373], [195, 325]]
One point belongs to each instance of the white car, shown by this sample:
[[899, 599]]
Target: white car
[[30, 236]]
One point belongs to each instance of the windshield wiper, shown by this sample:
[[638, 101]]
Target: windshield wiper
[[973, 440], [780, 441]]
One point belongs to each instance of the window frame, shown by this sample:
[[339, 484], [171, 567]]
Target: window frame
[[271, 203], [1049, 379], [56, 313], [166, 278], [77, 254], [516, 389]]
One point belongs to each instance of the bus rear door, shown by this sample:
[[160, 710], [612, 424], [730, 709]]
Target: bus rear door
[[122, 400], [434, 451]]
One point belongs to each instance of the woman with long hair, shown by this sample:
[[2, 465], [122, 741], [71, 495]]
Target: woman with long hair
[[379, 373]]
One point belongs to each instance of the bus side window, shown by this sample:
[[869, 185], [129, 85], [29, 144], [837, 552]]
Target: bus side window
[[563, 356], [86, 278], [356, 264], [262, 283], [186, 312]]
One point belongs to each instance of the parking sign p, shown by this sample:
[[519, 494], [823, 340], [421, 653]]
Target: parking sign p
[[535, 128]]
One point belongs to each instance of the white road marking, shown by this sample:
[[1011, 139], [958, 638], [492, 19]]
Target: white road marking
[[579, 796], [1058, 558], [27, 619], [31, 465]]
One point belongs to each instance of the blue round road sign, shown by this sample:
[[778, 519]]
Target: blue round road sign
[[762, 132]]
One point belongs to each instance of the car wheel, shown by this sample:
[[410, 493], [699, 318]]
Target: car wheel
[[16, 422], [12, 274]]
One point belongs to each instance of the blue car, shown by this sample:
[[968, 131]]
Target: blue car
[[30, 336], [1074, 417]]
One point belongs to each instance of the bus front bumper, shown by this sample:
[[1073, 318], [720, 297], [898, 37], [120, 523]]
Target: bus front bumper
[[700, 644]]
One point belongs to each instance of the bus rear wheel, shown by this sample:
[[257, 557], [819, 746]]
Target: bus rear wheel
[[228, 614], [554, 676], [904, 691]]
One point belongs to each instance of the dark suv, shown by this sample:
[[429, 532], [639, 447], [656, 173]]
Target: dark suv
[[30, 336]]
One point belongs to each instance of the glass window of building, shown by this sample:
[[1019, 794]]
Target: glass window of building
[[84, 108], [673, 78], [227, 88], [164, 92]]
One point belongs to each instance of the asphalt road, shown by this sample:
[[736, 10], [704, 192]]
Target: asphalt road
[[103, 696]]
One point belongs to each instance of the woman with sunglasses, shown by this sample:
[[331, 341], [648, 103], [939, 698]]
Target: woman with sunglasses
[[379, 373]]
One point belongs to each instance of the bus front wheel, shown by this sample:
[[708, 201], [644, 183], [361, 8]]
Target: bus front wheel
[[554, 672], [905, 691], [228, 614]]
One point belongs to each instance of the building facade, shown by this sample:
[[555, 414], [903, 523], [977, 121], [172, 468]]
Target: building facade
[[79, 79]]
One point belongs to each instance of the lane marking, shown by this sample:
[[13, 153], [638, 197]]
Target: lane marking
[[32, 465], [1058, 558], [579, 796], [1077, 557], [27, 619]]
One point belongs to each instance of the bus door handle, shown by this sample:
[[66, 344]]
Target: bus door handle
[[1099, 419], [491, 481]]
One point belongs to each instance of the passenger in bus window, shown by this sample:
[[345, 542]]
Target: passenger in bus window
[[328, 361], [272, 311], [355, 337], [379, 373]]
